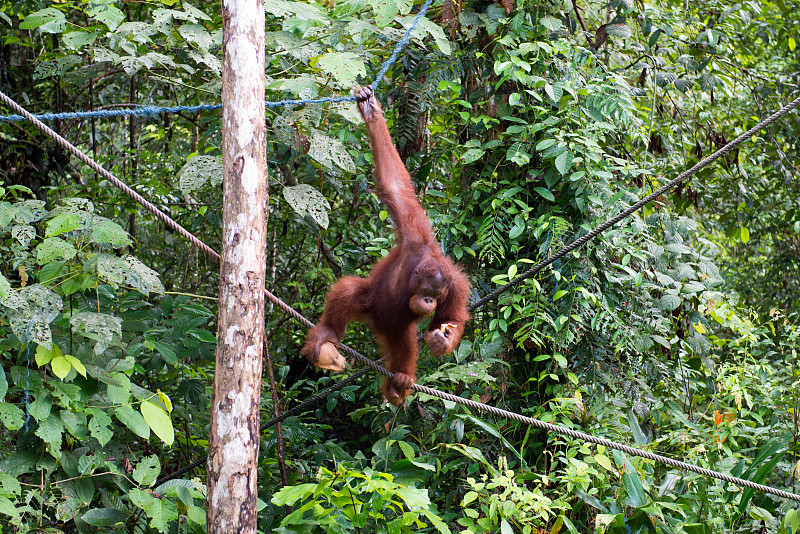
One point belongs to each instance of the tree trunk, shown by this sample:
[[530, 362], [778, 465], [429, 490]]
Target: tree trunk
[[234, 438]]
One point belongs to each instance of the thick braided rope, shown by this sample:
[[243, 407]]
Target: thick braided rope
[[380, 369], [624, 214], [550, 427], [150, 111]]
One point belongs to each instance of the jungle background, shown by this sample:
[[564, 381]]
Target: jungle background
[[524, 125]]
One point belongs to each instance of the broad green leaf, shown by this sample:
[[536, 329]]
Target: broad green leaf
[[105, 232], [78, 39], [330, 152], [386, 10], [3, 384], [40, 408], [7, 507], [11, 416], [128, 271], [545, 193], [198, 171], [618, 30], [564, 161], [197, 35], [100, 426], [160, 511], [303, 11], [63, 223], [23, 233], [60, 366], [51, 430], [518, 154], [472, 155], [744, 235], [555, 92], [306, 200], [633, 486], [166, 351], [49, 20], [550, 23], [105, 329], [414, 497], [147, 470], [669, 302], [77, 364], [5, 287], [54, 249], [159, 422], [44, 354], [345, 67], [197, 514], [74, 423], [424, 26], [104, 517], [107, 14], [289, 495]]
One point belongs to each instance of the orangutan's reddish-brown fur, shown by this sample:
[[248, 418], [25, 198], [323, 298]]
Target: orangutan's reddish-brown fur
[[414, 280]]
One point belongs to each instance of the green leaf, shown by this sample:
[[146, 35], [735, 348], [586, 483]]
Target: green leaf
[[11, 416], [564, 161], [518, 154], [669, 302], [51, 431], [550, 23], [104, 517], [160, 511], [63, 223], [147, 470], [133, 420], [545, 193], [49, 20], [472, 155], [40, 408], [306, 200], [106, 232], [5, 287], [198, 171], [60, 366], [7, 507], [100, 426], [107, 14], [78, 39], [77, 364], [54, 249], [166, 351], [414, 497], [555, 92], [386, 10], [159, 422], [744, 234], [618, 30], [344, 66], [424, 26], [633, 486], [3, 384], [331, 153], [289, 495]]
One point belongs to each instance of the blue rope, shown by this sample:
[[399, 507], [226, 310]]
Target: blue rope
[[150, 111]]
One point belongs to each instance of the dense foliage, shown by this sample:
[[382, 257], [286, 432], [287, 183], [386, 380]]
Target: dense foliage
[[525, 125]]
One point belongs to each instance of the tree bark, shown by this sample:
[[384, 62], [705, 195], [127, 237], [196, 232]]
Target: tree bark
[[234, 437]]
